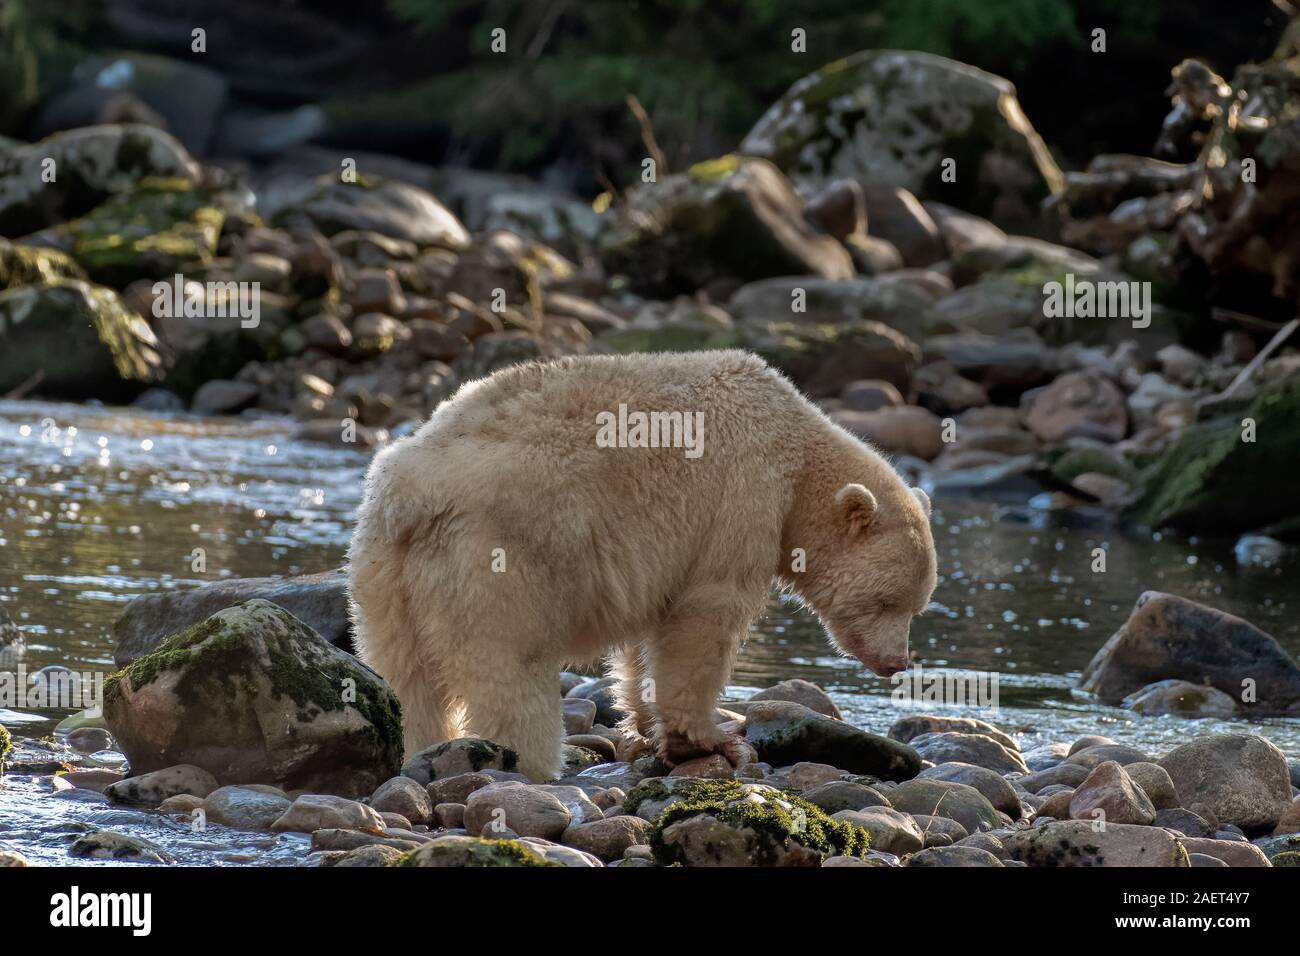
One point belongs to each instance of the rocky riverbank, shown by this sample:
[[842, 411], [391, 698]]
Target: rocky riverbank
[[1135, 373], [251, 721], [1125, 358]]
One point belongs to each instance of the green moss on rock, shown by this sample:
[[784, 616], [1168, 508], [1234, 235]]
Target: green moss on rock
[[80, 336], [162, 227], [1104, 461], [473, 852], [1211, 480], [238, 667], [735, 805], [33, 265]]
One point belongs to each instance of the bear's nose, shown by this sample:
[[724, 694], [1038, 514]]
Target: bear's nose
[[886, 666]]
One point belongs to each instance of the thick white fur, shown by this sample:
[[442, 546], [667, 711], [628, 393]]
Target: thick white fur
[[658, 559]]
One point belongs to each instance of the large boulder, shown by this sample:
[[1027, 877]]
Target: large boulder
[[784, 732], [253, 695], [1171, 637], [91, 164], [157, 229], [727, 823], [1242, 779], [318, 600], [80, 339], [730, 217], [890, 117], [1229, 474]]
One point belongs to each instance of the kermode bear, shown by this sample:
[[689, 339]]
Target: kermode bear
[[635, 506]]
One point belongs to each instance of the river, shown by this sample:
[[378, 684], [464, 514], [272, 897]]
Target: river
[[98, 505]]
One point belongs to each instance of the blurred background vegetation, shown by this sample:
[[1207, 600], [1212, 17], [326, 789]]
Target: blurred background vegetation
[[417, 77]]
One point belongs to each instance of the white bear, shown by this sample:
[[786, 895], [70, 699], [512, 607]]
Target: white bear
[[639, 507]]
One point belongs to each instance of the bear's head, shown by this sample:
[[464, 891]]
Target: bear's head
[[880, 574]]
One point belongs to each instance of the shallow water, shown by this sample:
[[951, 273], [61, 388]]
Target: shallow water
[[99, 505]]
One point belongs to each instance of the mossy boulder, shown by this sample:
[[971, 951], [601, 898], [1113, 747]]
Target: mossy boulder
[[160, 228], [253, 695], [473, 851], [81, 338], [728, 823], [88, 165], [1093, 459], [1230, 474], [730, 217], [891, 117]]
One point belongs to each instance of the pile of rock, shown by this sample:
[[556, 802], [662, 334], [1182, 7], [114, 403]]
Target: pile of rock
[[834, 243], [964, 795], [250, 720]]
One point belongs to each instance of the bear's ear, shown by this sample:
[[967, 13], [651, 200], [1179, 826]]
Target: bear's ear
[[922, 497], [858, 505]]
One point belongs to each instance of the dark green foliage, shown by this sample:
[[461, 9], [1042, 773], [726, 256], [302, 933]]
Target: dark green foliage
[[704, 71], [39, 40]]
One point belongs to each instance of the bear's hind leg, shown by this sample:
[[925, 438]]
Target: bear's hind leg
[[629, 666], [691, 658], [428, 714], [517, 706], [390, 641]]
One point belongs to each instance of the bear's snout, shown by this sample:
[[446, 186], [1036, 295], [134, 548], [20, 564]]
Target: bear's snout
[[886, 665]]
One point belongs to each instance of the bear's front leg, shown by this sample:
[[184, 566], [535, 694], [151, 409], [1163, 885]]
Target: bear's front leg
[[691, 659]]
